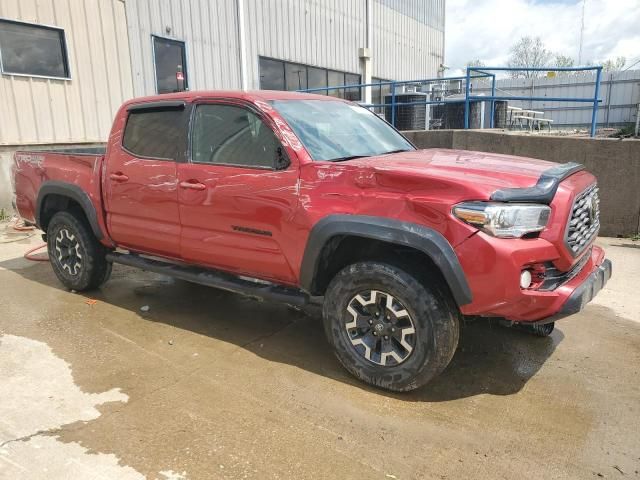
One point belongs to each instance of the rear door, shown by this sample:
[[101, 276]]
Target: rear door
[[238, 193], [141, 192]]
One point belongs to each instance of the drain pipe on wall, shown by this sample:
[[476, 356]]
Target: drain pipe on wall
[[242, 45], [365, 54]]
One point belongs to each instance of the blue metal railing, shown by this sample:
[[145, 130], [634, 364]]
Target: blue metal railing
[[472, 73], [493, 97]]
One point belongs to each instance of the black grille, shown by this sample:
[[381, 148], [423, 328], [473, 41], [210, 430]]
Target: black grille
[[553, 278], [584, 221]]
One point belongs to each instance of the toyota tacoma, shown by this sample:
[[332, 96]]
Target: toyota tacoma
[[310, 199]]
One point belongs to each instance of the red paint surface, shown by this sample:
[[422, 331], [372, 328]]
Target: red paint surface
[[151, 206]]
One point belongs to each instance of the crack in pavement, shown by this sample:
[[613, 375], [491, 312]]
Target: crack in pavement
[[267, 335], [26, 438]]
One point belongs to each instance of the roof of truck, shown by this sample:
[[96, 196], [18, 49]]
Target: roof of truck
[[250, 95]]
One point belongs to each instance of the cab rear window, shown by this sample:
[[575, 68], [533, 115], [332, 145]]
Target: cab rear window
[[157, 133]]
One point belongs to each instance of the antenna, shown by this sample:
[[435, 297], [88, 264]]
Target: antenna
[[584, 2]]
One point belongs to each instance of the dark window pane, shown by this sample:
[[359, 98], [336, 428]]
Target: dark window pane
[[155, 133], [376, 94], [271, 74], [33, 50], [296, 76], [335, 79], [317, 78], [170, 59], [228, 135], [352, 94]]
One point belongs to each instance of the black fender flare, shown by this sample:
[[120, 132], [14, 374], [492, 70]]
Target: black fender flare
[[74, 192], [424, 239]]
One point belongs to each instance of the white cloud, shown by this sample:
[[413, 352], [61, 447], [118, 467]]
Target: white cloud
[[485, 29]]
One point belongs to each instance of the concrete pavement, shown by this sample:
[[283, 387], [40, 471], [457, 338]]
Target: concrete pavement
[[207, 384]]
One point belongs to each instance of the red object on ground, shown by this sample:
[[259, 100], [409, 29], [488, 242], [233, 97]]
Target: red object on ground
[[29, 254]]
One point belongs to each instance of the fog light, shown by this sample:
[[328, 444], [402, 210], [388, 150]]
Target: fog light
[[525, 279]]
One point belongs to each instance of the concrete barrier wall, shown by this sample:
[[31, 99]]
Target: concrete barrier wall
[[615, 162]]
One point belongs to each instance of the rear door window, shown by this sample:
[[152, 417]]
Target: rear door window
[[157, 133]]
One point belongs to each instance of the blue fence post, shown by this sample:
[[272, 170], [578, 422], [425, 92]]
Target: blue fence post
[[493, 102], [393, 104], [594, 113], [466, 99]]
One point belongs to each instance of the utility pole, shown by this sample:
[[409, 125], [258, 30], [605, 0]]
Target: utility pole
[[584, 2]]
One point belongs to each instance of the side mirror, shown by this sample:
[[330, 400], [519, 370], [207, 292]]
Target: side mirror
[[282, 161]]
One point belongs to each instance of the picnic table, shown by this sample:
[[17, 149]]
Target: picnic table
[[527, 118]]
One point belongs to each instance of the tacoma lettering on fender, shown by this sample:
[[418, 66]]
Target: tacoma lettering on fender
[[304, 198]]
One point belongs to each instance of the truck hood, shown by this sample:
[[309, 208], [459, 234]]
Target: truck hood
[[480, 172]]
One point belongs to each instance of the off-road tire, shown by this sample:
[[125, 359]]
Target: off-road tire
[[433, 313], [92, 268], [540, 330]]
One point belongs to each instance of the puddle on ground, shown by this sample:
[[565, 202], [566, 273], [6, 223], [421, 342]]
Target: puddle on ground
[[37, 398]]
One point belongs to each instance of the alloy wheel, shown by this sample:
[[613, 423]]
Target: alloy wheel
[[380, 328], [68, 251]]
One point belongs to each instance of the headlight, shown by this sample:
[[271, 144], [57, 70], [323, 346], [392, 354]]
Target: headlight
[[505, 220]]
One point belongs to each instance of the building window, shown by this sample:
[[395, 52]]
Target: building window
[[295, 76], [379, 92], [171, 65], [229, 135], [156, 133], [317, 78], [33, 50], [271, 74], [281, 75], [335, 79]]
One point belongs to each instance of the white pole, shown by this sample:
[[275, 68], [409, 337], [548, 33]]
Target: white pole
[[244, 81]]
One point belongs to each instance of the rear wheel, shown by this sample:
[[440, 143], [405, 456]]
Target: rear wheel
[[389, 329], [77, 257]]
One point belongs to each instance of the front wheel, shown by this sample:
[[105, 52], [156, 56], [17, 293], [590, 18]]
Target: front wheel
[[77, 257], [389, 329], [543, 330]]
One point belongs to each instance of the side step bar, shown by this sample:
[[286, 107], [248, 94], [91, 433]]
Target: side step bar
[[213, 278]]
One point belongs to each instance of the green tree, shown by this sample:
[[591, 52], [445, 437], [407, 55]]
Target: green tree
[[563, 61], [614, 64]]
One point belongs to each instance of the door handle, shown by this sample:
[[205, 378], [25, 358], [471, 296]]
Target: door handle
[[193, 185], [118, 177]]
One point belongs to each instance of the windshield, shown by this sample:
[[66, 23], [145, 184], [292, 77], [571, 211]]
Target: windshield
[[335, 130]]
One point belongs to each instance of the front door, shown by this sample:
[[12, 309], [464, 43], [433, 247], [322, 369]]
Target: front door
[[237, 194], [141, 184]]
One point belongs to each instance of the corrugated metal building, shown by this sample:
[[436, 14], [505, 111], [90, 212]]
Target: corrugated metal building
[[66, 65], [405, 38], [74, 99], [112, 50]]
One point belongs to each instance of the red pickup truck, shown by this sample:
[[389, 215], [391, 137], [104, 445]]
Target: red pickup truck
[[304, 199]]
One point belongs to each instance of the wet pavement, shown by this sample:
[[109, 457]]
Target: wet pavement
[[207, 385]]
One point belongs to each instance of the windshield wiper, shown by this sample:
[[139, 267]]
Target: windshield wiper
[[397, 151], [350, 157]]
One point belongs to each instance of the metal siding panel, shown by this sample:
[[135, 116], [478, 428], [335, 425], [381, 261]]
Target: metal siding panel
[[37, 110]]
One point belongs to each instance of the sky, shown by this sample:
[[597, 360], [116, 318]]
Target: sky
[[485, 29]]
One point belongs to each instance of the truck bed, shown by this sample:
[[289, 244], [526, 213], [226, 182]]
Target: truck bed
[[76, 168], [74, 151]]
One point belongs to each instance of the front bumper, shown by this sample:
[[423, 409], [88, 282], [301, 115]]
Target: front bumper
[[492, 268], [584, 293]]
